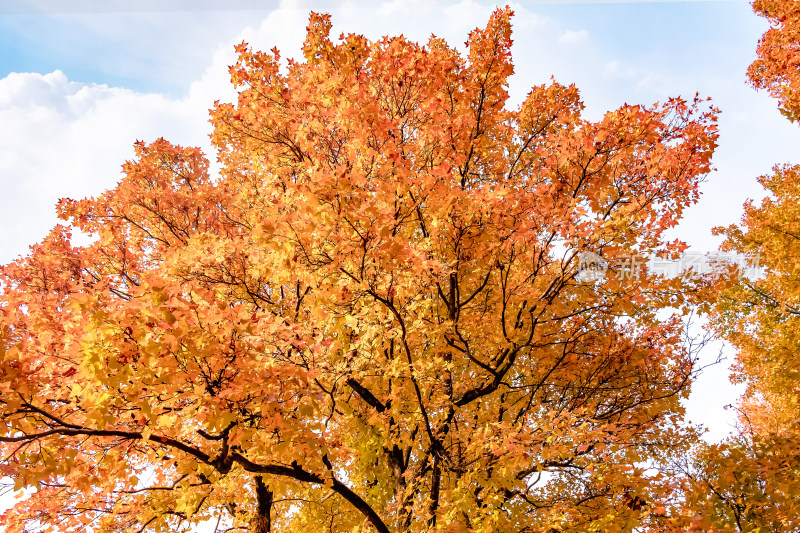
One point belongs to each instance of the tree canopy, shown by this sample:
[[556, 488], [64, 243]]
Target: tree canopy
[[751, 482], [376, 318]]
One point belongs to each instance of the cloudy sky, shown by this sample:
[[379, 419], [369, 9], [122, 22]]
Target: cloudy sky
[[81, 80]]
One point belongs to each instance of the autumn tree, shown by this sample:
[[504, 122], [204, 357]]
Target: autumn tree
[[374, 319], [751, 482], [747, 483]]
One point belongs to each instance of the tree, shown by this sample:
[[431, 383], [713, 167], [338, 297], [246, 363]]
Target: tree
[[777, 68], [376, 318], [755, 477], [748, 483], [751, 482], [760, 316], [762, 328]]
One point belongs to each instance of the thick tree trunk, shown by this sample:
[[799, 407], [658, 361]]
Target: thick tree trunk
[[262, 522]]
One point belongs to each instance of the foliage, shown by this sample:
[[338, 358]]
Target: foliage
[[777, 68], [760, 316], [374, 319], [749, 483]]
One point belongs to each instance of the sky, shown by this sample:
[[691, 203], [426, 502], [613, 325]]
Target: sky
[[81, 80]]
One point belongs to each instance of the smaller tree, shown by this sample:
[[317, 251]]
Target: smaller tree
[[761, 317], [748, 483], [752, 482]]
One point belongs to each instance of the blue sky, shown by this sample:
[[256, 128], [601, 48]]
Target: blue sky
[[79, 84], [162, 50]]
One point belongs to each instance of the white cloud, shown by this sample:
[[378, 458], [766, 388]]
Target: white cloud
[[62, 138], [574, 37], [655, 82], [615, 69]]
